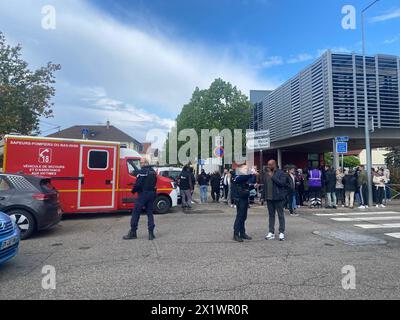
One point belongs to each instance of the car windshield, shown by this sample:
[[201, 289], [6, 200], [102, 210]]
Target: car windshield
[[133, 166], [171, 174]]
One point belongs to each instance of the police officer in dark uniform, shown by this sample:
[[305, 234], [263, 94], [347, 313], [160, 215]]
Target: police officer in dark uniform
[[241, 193], [145, 186]]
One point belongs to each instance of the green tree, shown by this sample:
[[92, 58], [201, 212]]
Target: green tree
[[351, 162], [348, 161], [221, 106], [328, 158], [25, 95], [393, 157]]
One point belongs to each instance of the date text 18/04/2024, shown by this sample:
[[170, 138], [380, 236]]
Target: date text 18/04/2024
[[201, 310]]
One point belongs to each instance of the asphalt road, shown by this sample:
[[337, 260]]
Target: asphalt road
[[194, 257]]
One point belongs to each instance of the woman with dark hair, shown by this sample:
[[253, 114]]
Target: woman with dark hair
[[350, 188]]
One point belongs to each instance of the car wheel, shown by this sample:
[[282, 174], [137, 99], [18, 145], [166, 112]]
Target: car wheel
[[162, 204], [25, 222]]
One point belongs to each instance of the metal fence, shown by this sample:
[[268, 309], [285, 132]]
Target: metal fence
[[394, 191]]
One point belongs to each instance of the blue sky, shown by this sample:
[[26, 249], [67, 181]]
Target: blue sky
[[136, 62]]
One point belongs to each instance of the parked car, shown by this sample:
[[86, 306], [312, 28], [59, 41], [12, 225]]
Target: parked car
[[172, 173], [31, 202], [9, 238], [169, 172]]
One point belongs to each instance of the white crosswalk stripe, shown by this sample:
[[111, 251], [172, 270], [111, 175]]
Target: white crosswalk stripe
[[366, 219], [393, 235], [378, 226], [374, 220], [365, 213]]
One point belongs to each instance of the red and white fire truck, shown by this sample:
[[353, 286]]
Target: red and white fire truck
[[91, 176]]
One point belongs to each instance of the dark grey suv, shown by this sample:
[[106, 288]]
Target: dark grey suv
[[31, 202]]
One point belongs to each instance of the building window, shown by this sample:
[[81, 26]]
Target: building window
[[98, 160]]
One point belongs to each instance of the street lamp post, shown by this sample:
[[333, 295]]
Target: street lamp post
[[366, 113]]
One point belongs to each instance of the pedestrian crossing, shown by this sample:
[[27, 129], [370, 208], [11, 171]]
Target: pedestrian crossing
[[394, 235], [367, 219], [373, 220], [362, 213]]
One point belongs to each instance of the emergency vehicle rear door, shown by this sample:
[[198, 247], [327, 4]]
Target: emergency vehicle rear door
[[98, 177]]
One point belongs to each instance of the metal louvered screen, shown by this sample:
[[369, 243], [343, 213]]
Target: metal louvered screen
[[330, 93], [382, 90], [300, 105]]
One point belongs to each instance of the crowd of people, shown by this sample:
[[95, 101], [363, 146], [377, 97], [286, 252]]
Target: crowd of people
[[289, 188], [339, 188], [304, 187]]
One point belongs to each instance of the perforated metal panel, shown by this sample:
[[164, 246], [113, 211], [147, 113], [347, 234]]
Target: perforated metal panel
[[20, 183], [382, 90], [330, 93]]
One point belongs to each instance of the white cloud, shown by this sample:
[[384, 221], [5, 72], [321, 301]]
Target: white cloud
[[97, 107], [392, 40], [272, 62], [394, 14], [301, 58], [320, 52], [304, 57], [119, 65]]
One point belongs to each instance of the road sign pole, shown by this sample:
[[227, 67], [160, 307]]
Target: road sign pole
[[342, 162], [336, 159], [279, 154], [366, 113]]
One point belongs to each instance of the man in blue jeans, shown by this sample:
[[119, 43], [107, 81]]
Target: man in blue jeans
[[275, 191], [203, 180], [145, 187]]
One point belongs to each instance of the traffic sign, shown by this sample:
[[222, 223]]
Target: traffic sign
[[371, 125], [258, 140], [341, 147], [219, 152], [85, 133], [342, 139]]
